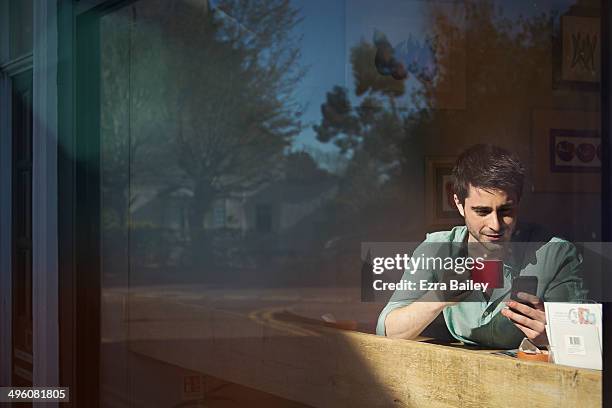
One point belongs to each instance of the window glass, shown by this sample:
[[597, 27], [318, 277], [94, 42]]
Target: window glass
[[249, 148]]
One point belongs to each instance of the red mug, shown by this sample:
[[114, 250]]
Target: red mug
[[492, 272]]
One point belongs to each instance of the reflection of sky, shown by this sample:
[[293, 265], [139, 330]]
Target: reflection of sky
[[331, 27], [323, 52]]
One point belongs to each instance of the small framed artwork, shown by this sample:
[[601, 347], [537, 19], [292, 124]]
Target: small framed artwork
[[576, 53], [581, 49], [575, 151], [440, 209], [566, 148]]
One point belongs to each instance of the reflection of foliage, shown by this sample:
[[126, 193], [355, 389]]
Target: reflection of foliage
[[197, 97], [232, 90], [508, 62], [369, 126], [409, 56], [301, 168], [370, 134], [133, 113], [367, 78], [151, 244], [508, 59]]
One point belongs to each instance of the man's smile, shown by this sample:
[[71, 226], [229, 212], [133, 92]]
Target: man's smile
[[494, 237]]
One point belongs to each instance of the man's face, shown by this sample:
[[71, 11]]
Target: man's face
[[490, 215]]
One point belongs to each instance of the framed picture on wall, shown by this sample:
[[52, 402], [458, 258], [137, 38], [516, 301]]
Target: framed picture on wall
[[575, 151], [581, 49], [440, 209], [566, 151], [576, 53]]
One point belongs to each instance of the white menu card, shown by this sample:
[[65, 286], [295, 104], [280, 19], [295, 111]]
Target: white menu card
[[574, 333]]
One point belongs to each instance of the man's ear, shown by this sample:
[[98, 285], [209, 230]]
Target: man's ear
[[459, 205]]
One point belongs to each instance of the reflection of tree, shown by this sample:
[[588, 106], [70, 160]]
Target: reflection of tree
[[508, 59], [134, 115], [369, 133], [132, 142], [231, 86], [508, 63], [114, 122], [366, 75], [199, 97], [302, 168]]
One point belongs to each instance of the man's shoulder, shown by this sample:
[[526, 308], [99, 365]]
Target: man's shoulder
[[546, 244], [456, 234], [538, 234], [530, 232], [559, 247]]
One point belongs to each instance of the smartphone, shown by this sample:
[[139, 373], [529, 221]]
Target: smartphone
[[526, 284]]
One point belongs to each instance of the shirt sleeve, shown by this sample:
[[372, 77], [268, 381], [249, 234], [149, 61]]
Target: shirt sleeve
[[567, 285], [404, 297]]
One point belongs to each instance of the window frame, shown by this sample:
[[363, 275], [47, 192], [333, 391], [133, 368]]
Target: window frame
[[43, 62]]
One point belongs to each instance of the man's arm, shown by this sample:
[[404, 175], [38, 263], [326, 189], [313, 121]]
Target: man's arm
[[409, 321], [566, 286], [409, 312]]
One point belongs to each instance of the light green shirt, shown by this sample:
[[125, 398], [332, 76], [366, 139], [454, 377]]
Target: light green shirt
[[478, 321]]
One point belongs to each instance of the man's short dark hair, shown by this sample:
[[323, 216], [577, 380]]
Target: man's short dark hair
[[490, 168]]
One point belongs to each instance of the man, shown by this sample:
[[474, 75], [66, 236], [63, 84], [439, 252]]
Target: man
[[488, 186]]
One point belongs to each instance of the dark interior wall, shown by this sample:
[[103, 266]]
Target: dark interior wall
[[504, 115]]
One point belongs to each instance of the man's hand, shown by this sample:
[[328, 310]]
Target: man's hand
[[530, 319], [448, 296]]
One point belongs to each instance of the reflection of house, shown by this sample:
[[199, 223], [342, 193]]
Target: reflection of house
[[162, 207], [274, 208], [279, 206]]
